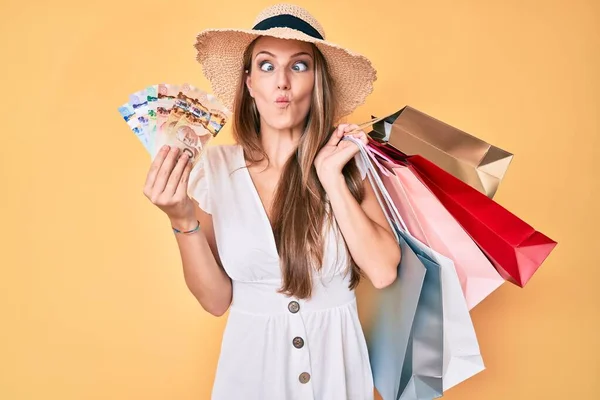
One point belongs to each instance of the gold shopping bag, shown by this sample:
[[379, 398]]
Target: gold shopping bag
[[470, 159]]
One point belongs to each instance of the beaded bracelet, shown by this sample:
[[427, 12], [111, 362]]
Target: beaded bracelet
[[187, 232]]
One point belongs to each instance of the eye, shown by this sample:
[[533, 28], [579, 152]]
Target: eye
[[266, 66], [300, 66]]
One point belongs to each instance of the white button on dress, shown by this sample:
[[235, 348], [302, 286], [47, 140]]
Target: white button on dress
[[275, 347]]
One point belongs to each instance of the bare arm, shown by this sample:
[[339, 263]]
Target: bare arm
[[202, 270], [369, 237], [166, 186]]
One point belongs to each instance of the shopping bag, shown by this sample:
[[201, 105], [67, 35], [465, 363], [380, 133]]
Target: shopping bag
[[461, 357], [514, 247], [405, 335], [461, 354], [421, 376], [392, 311], [428, 221], [470, 159]]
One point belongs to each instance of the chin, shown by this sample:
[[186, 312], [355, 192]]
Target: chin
[[282, 122]]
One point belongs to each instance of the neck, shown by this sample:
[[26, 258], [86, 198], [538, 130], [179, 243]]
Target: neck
[[279, 144]]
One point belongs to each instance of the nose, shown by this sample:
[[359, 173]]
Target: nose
[[283, 80]]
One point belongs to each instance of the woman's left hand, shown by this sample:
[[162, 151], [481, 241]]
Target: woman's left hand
[[336, 153]]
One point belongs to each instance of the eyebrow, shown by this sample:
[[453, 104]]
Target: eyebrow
[[293, 55]]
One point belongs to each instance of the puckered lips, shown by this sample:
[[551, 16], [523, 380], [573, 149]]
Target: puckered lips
[[282, 101]]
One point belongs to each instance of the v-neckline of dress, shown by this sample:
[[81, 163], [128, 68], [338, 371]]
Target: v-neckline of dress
[[258, 201]]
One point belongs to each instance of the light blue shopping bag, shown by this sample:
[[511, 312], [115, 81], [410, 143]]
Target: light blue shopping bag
[[438, 348]]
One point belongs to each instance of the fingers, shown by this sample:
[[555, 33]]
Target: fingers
[[362, 136], [343, 130], [161, 176], [358, 134], [182, 186], [175, 176], [153, 171], [337, 135], [165, 171], [350, 127], [350, 148]]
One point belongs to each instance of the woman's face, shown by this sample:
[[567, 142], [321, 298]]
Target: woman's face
[[281, 81]]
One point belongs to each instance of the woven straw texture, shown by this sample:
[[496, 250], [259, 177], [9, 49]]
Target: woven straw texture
[[219, 51]]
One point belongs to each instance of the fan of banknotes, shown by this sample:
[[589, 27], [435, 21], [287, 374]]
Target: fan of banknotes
[[176, 115]]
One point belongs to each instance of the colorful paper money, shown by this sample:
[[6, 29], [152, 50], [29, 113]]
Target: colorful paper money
[[139, 102], [152, 97], [129, 115], [176, 115]]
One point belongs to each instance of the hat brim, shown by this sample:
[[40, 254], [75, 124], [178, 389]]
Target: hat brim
[[219, 51]]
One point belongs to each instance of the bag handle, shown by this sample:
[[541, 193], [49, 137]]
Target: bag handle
[[376, 188], [381, 168], [386, 195], [388, 149], [389, 209], [379, 153]]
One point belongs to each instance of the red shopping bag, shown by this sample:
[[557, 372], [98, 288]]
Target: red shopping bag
[[514, 247]]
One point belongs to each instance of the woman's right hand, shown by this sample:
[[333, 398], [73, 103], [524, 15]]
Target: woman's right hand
[[166, 186]]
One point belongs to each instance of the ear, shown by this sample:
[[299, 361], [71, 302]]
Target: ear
[[249, 82]]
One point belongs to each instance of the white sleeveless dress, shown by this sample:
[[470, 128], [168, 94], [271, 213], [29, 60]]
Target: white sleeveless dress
[[275, 347]]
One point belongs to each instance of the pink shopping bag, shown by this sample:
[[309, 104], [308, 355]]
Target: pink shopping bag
[[430, 222]]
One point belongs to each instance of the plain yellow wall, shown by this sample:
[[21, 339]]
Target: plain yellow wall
[[92, 299]]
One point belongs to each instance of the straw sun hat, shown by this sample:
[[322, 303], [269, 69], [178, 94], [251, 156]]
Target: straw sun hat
[[220, 54]]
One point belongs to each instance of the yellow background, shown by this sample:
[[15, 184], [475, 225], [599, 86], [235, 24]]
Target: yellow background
[[92, 300]]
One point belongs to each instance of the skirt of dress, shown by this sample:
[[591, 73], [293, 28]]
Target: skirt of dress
[[280, 348]]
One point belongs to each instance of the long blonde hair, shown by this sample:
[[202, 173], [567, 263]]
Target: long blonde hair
[[299, 205]]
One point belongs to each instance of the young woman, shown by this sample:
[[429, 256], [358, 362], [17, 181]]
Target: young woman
[[285, 223]]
